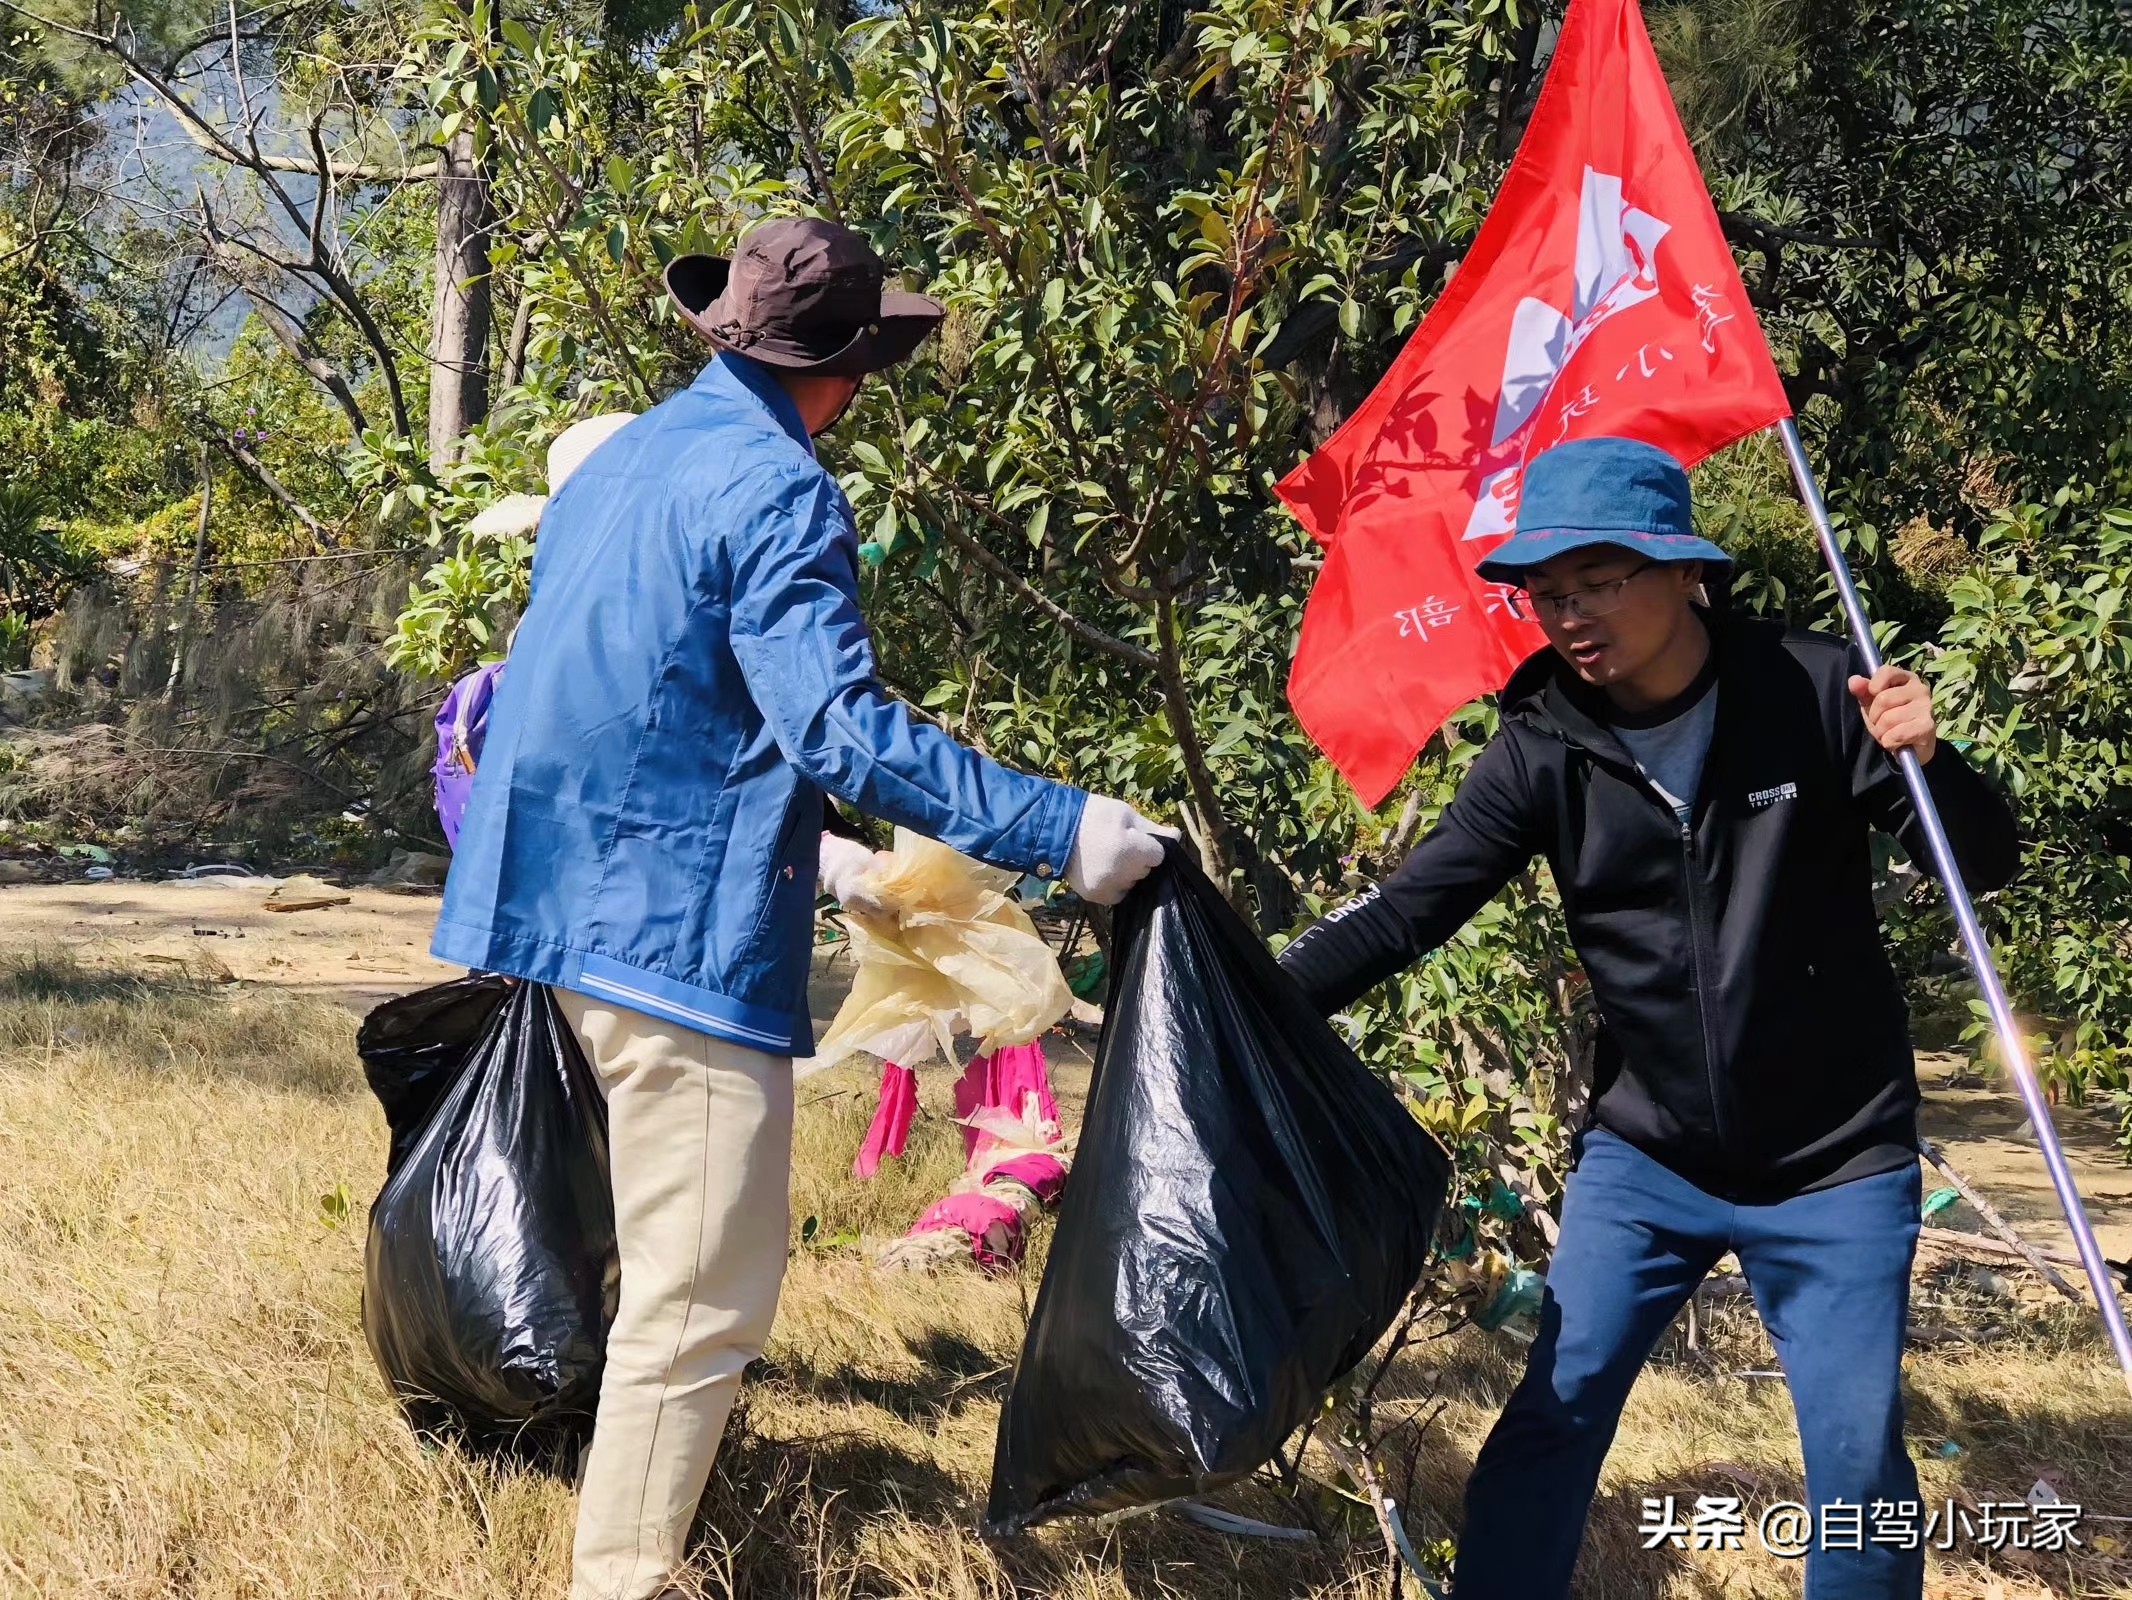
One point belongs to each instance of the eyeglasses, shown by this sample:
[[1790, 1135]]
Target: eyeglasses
[[1596, 600]]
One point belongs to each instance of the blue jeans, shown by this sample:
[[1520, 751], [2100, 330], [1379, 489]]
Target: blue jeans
[[1830, 1273]]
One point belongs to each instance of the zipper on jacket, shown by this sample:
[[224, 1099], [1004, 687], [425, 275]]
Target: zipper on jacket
[[1690, 883], [787, 827]]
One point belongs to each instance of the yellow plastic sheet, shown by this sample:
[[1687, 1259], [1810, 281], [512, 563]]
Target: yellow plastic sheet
[[953, 953]]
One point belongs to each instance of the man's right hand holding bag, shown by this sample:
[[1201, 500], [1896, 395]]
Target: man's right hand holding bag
[[1115, 848]]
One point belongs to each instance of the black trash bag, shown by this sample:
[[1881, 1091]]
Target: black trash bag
[[412, 1049], [1248, 1208], [490, 1275]]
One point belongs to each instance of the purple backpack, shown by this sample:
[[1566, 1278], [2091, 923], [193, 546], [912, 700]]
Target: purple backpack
[[462, 725]]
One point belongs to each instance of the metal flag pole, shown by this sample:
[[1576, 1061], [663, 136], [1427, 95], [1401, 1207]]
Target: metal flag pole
[[1973, 942]]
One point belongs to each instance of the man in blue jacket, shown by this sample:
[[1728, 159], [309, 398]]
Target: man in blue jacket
[[645, 831]]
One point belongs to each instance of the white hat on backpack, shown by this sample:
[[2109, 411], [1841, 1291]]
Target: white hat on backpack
[[518, 515]]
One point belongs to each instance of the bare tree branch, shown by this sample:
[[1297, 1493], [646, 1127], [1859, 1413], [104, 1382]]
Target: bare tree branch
[[1759, 232], [1214, 849], [803, 130], [204, 133], [263, 22], [1100, 66], [1306, 323], [321, 270], [570, 196], [1086, 632], [287, 331], [261, 474]]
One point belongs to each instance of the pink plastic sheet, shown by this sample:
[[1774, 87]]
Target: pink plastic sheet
[[1043, 1176], [1014, 1081], [993, 1227], [1009, 1116], [891, 1129]]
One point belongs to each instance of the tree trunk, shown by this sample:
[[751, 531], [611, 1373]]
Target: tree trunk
[[514, 350], [192, 586], [1211, 834], [460, 309]]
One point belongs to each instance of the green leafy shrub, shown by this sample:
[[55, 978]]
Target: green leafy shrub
[[460, 612], [14, 641], [37, 567], [2036, 669]]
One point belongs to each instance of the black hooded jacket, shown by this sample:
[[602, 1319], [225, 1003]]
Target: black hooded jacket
[[1753, 1036]]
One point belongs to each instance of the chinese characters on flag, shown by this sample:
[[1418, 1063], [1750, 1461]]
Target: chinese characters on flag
[[1599, 298]]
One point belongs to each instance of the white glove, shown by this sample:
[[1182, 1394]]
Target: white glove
[[1115, 848], [846, 864]]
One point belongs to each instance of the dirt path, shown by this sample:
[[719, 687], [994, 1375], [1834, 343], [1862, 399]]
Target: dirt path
[[377, 946], [1979, 1126], [368, 950]]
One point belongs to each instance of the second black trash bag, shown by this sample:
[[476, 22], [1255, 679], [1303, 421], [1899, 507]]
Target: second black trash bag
[[490, 1273], [413, 1047], [1248, 1208]]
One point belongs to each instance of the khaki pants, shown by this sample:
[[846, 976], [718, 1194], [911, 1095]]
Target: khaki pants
[[701, 1137]]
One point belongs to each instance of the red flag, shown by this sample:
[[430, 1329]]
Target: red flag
[[1599, 298]]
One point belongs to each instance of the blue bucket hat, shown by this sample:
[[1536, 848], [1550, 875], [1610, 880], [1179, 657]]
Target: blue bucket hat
[[1601, 491]]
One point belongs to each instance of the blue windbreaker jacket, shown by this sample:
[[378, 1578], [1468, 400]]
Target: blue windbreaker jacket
[[691, 675]]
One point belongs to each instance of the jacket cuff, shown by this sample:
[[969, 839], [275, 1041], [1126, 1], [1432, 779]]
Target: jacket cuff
[[1043, 842]]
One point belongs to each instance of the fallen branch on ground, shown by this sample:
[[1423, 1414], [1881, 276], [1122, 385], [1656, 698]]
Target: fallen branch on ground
[[1950, 1242], [1998, 1224]]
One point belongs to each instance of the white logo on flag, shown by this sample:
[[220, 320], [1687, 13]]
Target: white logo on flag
[[1617, 267], [1433, 612]]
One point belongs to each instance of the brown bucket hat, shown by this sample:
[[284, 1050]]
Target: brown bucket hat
[[802, 295]]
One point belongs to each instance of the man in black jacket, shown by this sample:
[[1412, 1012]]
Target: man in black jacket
[[1702, 786]]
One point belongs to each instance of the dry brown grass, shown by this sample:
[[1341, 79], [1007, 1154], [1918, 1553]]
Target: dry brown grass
[[189, 1409]]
